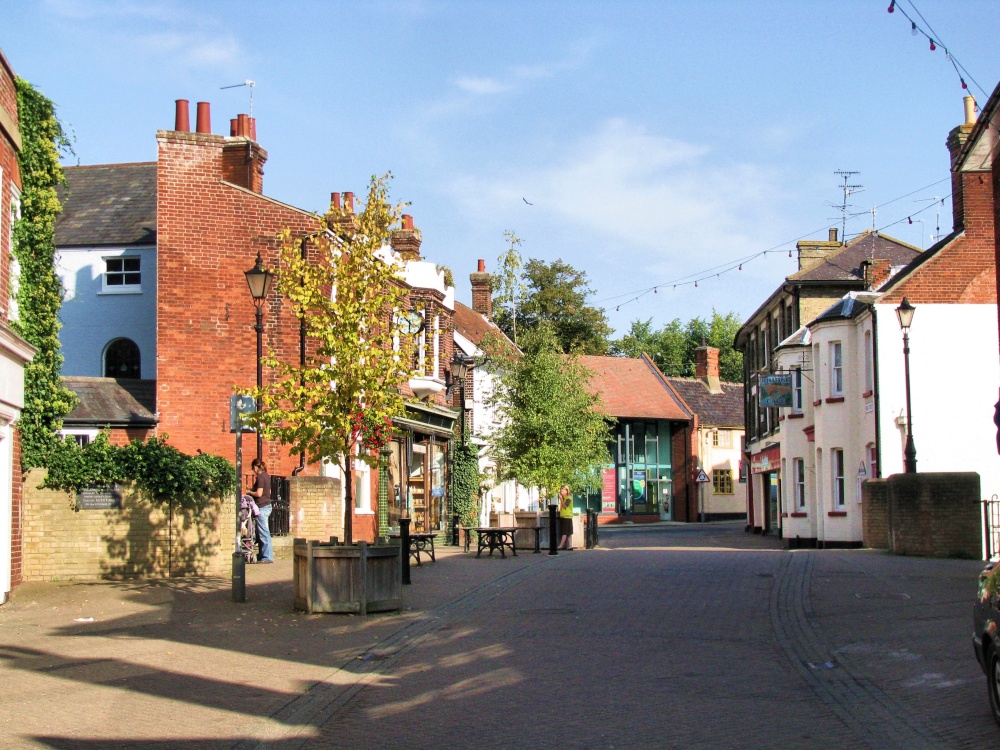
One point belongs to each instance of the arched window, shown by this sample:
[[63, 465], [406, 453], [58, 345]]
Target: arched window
[[121, 359]]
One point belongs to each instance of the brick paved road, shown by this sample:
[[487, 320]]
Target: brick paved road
[[677, 639], [669, 637]]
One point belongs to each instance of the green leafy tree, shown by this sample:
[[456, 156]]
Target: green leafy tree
[[672, 347], [37, 288], [507, 286], [555, 293], [347, 302], [552, 431]]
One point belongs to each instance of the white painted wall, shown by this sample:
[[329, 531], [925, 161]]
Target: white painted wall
[[954, 375], [92, 317], [714, 457]]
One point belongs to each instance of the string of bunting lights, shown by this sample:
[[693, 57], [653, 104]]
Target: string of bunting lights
[[692, 279], [934, 40]]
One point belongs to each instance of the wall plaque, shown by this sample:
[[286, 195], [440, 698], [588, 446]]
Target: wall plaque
[[99, 498]]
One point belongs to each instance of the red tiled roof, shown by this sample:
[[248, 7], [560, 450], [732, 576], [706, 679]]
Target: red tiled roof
[[474, 326], [633, 388]]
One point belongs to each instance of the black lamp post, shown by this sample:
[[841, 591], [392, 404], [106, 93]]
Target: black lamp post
[[905, 314], [259, 280], [460, 365]]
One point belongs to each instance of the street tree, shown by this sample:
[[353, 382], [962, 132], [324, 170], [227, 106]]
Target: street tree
[[340, 404], [508, 288], [552, 431]]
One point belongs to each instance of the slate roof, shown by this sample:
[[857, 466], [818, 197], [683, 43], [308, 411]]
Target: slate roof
[[845, 266], [713, 409], [108, 204], [847, 307], [633, 388], [110, 401]]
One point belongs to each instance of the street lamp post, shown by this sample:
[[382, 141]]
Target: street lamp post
[[905, 315], [259, 279]]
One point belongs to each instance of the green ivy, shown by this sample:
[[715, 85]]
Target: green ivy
[[159, 471], [466, 484], [39, 291]]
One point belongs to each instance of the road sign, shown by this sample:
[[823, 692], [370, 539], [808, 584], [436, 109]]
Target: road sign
[[702, 477], [239, 406]]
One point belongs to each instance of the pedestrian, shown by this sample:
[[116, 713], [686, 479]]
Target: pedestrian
[[565, 517], [262, 492]]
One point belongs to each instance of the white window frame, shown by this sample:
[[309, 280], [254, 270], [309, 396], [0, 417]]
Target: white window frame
[[797, 390], [836, 369], [869, 374], [799, 465], [83, 435], [817, 379], [837, 474], [15, 265], [362, 489], [122, 288]]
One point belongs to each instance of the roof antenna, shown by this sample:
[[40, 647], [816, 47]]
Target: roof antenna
[[849, 190], [249, 84]]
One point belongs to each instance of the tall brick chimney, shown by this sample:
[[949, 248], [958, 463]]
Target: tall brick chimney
[[706, 367], [482, 295], [970, 191], [876, 272], [406, 240], [242, 157], [814, 252]]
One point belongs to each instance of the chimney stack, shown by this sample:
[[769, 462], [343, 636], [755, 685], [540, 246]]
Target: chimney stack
[[406, 240], [814, 252], [204, 121], [706, 367], [482, 295], [182, 117], [966, 185], [876, 272]]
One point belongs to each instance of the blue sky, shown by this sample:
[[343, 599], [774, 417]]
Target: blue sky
[[654, 140]]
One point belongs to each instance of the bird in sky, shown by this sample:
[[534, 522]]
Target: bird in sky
[[526, 201]]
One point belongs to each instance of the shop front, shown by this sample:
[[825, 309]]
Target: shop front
[[643, 469], [765, 469], [415, 479]]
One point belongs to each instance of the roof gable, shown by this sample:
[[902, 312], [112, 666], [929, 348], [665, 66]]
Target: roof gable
[[632, 388], [723, 409], [845, 265]]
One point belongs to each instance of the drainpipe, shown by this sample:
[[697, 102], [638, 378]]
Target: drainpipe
[[877, 400], [302, 364]]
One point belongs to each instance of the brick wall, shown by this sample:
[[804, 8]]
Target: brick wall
[[316, 508], [17, 513], [136, 540], [875, 513], [930, 514], [208, 234]]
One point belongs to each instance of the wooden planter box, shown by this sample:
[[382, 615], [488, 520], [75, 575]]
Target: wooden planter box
[[328, 577]]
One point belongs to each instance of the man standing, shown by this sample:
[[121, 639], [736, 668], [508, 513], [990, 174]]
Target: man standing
[[262, 492]]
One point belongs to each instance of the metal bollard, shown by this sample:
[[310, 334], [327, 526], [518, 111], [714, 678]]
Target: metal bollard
[[553, 529], [404, 551], [239, 578], [454, 530]]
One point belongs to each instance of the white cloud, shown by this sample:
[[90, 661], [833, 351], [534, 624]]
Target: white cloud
[[658, 206], [481, 86]]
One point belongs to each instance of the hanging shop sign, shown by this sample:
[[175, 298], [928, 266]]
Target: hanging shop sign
[[776, 390], [767, 460]]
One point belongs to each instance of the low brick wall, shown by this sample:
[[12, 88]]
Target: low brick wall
[[928, 515], [137, 540], [315, 507], [875, 513]]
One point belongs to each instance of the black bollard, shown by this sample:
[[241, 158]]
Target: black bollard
[[553, 529], [404, 548], [454, 530], [239, 578]]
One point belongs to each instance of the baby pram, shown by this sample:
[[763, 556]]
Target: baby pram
[[248, 528]]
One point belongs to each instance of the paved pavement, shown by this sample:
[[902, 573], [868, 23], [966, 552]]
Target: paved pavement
[[666, 637]]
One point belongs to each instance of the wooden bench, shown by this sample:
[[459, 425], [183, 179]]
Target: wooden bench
[[420, 541]]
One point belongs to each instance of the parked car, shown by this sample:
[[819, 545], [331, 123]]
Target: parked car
[[986, 632]]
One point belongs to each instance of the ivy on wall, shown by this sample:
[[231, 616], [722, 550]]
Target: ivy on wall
[[160, 472], [466, 484], [38, 289]]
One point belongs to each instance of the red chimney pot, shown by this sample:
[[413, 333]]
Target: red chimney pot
[[482, 266], [335, 200], [204, 117], [232, 126], [182, 118], [407, 221], [349, 202]]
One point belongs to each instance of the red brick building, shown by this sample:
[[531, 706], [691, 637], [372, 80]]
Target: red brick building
[[14, 351]]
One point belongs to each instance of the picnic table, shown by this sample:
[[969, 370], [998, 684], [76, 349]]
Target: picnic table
[[420, 541], [495, 538]]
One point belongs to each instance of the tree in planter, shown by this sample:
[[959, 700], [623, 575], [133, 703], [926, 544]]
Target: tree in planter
[[38, 291], [552, 432], [336, 406]]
